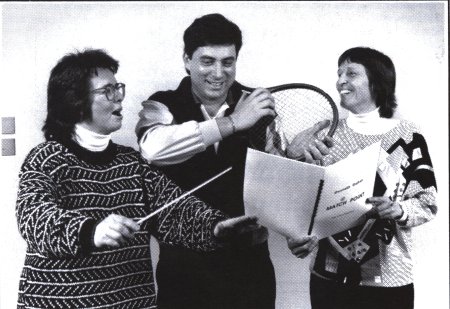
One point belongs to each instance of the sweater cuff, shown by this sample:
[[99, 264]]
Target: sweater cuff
[[404, 218], [87, 236]]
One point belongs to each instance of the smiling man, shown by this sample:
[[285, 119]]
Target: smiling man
[[193, 133]]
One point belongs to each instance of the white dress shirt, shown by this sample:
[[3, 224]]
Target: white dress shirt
[[166, 142]]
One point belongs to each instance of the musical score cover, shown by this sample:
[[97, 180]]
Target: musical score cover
[[297, 199]]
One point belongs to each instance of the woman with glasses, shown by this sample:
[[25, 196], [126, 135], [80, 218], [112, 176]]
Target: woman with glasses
[[80, 197]]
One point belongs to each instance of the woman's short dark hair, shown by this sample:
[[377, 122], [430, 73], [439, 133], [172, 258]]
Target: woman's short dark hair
[[381, 74], [68, 100], [211, 29]]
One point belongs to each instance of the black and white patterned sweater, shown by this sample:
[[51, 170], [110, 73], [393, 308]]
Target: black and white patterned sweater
[[405, 174], [63, 192]]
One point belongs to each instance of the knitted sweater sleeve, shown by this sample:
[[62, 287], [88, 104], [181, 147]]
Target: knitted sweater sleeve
[[48, 228], [188, 223], [419, 197]]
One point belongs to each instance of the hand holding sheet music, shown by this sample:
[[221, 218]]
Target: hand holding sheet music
[[298, 199]]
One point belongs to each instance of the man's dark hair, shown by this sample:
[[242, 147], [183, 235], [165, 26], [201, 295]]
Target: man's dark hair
[[381, 74], [212, 29], [68, 100]]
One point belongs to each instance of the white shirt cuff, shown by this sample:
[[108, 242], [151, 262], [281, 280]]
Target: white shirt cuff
[[210, 132]]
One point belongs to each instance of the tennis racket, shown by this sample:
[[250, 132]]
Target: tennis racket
[[298, 108]]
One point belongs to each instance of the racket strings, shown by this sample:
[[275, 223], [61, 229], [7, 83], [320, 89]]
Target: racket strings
[[297, 109]]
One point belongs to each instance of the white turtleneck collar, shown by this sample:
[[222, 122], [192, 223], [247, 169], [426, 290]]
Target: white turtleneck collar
[[90, 140], [370, 123]]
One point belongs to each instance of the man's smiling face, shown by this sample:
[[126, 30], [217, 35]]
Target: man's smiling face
[[213, 71]]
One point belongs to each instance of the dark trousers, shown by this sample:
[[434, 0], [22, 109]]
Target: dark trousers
[[327, 294], [218, 280]]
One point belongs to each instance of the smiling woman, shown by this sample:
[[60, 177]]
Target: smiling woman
[[353, 86], [404, 195]]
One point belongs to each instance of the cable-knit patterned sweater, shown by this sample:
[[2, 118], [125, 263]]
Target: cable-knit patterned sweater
[[63, 192]]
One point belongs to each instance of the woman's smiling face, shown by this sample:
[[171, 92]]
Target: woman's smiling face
[[354, 88]]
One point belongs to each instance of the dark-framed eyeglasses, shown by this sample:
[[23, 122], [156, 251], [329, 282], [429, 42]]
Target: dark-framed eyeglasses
[[111, 91]]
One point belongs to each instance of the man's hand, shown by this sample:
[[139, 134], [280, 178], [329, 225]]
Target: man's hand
[[114, 231], [303, 246], [252, 107], [307, 147]]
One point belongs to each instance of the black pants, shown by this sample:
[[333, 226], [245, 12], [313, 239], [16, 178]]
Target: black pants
[[327, 294], [226, 279]]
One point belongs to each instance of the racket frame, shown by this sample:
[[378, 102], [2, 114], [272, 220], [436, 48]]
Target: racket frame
[[334, 121]]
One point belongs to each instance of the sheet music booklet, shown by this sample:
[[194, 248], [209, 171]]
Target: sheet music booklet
[[297, 199]]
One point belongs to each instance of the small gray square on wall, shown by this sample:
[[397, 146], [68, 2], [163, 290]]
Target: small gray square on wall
[[8, 125], [8, 147]]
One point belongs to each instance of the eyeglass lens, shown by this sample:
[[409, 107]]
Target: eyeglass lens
[[112, 90]]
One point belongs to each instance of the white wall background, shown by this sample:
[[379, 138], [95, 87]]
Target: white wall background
[[283, 42]]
